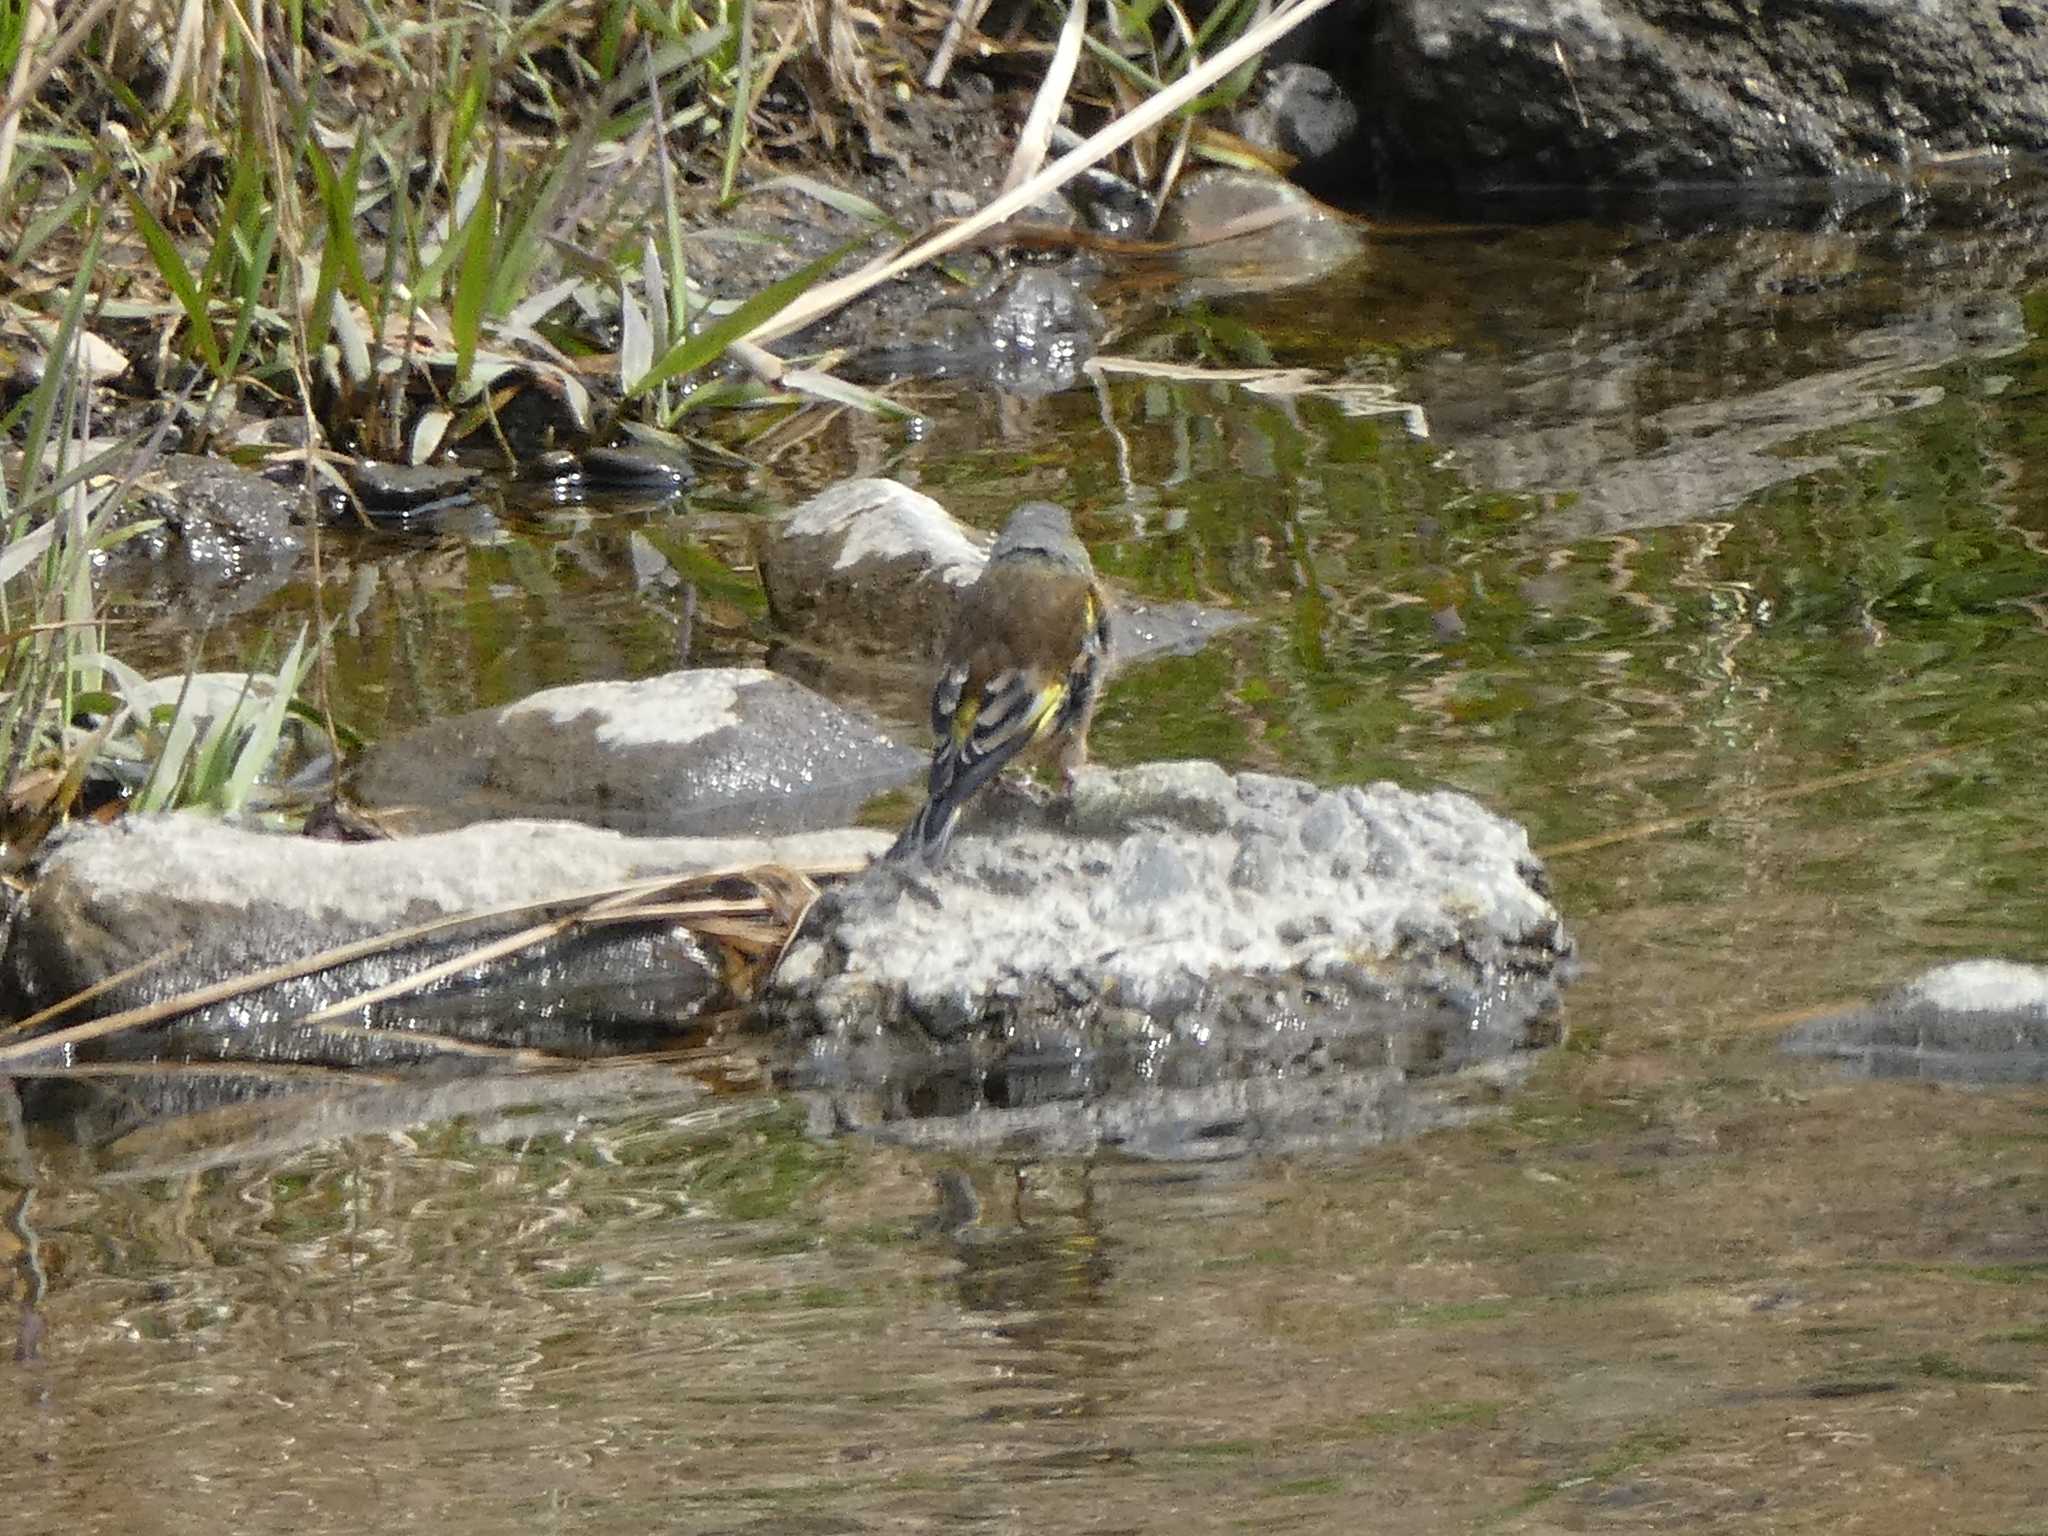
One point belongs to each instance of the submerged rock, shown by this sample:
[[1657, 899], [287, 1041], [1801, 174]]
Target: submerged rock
[[1977, 1021], [1027, 333], [212, 902], [704, 753], [1242, 232], [1177, 929]]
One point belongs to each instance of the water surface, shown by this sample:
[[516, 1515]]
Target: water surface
[[1723, 568]]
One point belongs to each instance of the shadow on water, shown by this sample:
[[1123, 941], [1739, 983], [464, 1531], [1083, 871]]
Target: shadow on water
[[1723, 568]]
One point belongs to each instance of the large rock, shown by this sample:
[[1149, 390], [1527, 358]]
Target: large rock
[[874, 568], [706, 753], [1493, 92], [1976, 1021], [212, 902], [1171, 931]]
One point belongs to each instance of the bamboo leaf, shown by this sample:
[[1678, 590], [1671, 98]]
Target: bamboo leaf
[[473, 279]]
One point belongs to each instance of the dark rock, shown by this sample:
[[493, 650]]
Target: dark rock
[[1977, 1021], [387, 489], [223, 902], [639, 469], [1168, 973], [1494, 92], [211, 514], [1300, 110], [710, 752], [1112, 205], [641, 474]]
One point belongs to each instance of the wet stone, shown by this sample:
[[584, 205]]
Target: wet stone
[[211, 902], [711, 752], [1112, 205], [1976, 1021], [1042, 329], [639, 469], [389, 488], [1027, 332], [211, 513], [1144, 945], [1242, 232]]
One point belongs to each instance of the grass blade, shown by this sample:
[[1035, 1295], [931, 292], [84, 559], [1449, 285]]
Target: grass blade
[[261, 745], [1036, 138], [693, 352], [171, 266]]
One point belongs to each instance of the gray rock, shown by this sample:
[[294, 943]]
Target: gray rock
[[221, 902], [1977, 1021], [1161, 925], [1501, 92], [875, 568], [869, 565], [1241, 232], [1299, 110], [211, 514], [703, 753]]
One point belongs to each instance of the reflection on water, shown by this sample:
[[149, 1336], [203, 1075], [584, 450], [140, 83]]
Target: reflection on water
[[1723, 569]]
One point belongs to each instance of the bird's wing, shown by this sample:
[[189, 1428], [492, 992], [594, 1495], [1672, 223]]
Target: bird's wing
[[987, 728], [1086, 675]]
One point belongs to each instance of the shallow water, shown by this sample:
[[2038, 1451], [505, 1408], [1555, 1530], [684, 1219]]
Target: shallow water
[[1723, 568]]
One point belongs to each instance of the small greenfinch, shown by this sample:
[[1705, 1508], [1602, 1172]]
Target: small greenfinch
[[1023, 664]]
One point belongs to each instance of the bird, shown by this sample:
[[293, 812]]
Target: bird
[[1023, 663]]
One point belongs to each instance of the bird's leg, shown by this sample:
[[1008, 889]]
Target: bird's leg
[[1072, 759]]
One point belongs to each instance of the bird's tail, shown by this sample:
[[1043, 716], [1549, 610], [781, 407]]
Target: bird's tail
[[929, 831]]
